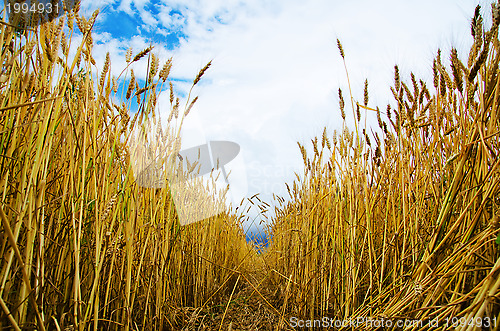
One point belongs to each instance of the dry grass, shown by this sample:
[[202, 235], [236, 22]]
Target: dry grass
[[82, 245], [397, 224], [402, 223]]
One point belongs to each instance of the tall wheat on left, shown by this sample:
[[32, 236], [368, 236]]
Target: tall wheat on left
[[82, 245]]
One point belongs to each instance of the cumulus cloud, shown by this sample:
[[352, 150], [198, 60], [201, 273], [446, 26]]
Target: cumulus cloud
[[276, 67]]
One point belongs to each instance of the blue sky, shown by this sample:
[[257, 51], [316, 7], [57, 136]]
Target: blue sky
[[276, 68]]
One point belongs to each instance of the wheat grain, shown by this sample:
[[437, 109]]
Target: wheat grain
[[92, 19], [456, 70], [435, 73], [142, 54], [153, 68], [476, 24], [137, 94], [104, 70], [131, 85], [171, 93], [165, 71], [64, 44], [29, 47], [115, 85], [442, 85], [188, 109], [482, 58], [341, 49], [81, 23], [175, 109], [341, 104], [202, 71], [365, 93], [128, 55]]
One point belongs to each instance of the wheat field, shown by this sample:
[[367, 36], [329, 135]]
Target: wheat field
[[398, 222]]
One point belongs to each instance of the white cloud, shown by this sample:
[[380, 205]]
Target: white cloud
[[276, 70], [276, 67]]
